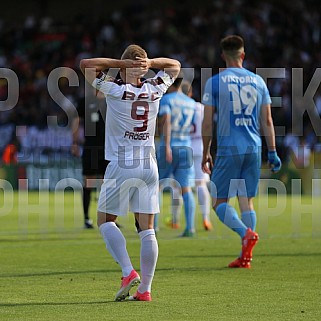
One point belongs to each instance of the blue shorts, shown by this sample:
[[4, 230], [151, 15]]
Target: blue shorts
[[236, 175], [181, 168]]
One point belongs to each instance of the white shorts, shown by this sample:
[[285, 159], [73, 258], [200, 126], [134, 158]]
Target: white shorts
[[199, 174], [134, 189]]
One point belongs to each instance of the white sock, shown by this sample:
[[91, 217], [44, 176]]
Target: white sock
[[204, 201], [148, 259], [116, 245]]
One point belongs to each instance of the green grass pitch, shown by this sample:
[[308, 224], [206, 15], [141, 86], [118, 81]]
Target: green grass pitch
[[52, 269]]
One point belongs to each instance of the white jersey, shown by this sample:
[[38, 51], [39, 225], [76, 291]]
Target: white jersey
[[196, 136], [131, 115]]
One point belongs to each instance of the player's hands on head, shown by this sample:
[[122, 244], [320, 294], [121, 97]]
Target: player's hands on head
[[142, 66], [274, 161], [143, 62], [136, 68]]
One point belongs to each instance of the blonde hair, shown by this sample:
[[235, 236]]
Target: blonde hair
[[133, 51]]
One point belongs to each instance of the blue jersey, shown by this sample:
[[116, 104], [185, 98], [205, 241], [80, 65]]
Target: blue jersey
[[182, 110], [238, 95]]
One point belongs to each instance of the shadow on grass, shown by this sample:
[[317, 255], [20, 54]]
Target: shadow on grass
[[48, 236], [13, 305], [229, 256], [256, 255], [62, 273], [57, 273]]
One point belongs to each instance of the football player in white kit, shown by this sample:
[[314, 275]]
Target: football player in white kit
[[131, 177]]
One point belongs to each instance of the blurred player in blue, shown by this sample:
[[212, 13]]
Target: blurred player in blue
[[175, 156], [243, 106], [201, 178]]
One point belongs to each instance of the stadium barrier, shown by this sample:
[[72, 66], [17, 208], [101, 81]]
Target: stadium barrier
[[47, 175], [43, 177]]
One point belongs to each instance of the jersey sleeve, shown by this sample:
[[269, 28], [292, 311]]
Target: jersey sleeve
[[164, 106], [208, 94], [266, 98], [163, 81], [194, 115], [107, 85]]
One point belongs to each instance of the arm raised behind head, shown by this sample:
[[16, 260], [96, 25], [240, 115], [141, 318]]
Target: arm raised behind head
[[170, 66], [91, 67]]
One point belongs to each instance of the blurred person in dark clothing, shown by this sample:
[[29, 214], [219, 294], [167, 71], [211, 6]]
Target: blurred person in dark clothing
[[91, 112]]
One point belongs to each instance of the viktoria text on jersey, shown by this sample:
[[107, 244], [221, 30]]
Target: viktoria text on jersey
[[136, 136]]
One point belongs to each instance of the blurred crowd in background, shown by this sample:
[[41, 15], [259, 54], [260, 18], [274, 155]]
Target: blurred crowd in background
[[277, 34]]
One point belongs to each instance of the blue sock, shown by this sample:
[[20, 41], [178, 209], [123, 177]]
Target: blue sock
[[189, 210], [249, 219], [228, 215]]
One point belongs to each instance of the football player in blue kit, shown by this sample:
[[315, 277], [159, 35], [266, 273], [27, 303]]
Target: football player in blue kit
[[242, 104], [175, 156]]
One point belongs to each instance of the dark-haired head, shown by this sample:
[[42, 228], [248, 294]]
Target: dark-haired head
[[232, 46]]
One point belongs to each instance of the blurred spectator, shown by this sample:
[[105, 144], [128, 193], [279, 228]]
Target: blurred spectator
[[9, 156], [278, 34]]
